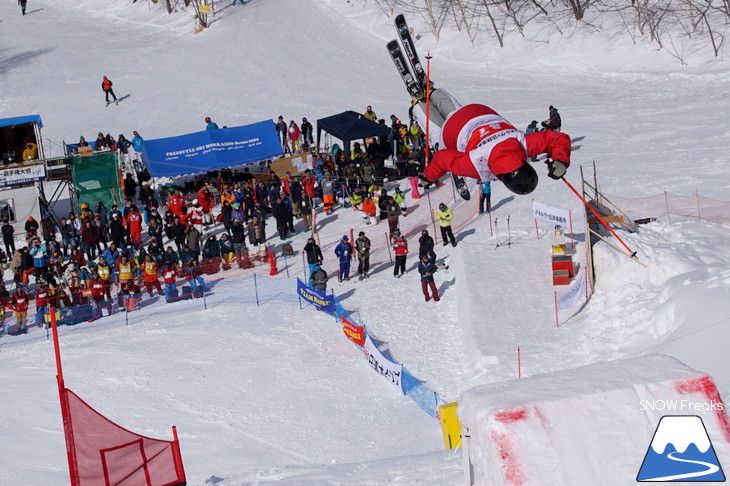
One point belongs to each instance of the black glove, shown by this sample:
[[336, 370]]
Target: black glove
[[557, 169]]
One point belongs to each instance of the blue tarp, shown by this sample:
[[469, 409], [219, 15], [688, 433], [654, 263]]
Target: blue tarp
[[19, 120], [211, 149]]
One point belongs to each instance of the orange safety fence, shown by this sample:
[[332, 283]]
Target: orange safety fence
[[668, 205]]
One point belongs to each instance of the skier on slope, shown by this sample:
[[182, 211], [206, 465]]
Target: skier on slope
[[481, 144], [106, 86]]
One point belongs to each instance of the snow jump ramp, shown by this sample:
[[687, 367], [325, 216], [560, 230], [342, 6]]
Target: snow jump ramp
[[591, 425]]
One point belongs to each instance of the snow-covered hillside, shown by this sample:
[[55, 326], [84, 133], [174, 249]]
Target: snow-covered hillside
[[272, 394]]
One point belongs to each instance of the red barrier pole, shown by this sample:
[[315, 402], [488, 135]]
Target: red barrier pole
[[491, 232], [65, 412], [537, 232], [631, 252]]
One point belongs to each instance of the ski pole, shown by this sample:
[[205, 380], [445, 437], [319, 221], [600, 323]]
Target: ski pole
[[631, 252], [509, 233], [496, 230]]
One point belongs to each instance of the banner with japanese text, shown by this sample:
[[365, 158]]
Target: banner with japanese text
[[569, 296], [388, 369], [549, 214], [22, 174]]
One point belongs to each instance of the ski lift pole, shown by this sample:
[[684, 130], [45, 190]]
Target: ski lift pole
[[428, 106], [632, 253]]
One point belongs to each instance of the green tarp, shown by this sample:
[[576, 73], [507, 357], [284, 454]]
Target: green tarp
[[97, 179]]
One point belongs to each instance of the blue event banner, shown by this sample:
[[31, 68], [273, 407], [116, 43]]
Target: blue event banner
[[314, 297], [211, 149]]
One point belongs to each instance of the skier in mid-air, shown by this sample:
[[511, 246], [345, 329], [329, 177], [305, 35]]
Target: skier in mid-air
[[106, 86], [481, 144], [476, 141]]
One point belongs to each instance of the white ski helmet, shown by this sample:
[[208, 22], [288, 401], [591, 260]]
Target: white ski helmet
[[195, 201]]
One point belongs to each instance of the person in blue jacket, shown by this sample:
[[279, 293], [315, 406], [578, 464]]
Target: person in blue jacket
[[211, 125], [343, 251], [485, 196], [39, 252]]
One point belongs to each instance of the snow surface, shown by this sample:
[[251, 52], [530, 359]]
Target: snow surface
[[272, 394]]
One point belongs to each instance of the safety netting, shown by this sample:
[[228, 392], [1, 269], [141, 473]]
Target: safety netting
[[104, 453], [97, 179]]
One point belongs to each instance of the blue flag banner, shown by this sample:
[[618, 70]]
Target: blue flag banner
[[322, 302], [211, 149]]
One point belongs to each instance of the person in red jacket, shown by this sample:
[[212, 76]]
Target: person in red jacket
[[308, 182], [481, 144], [41, 302], [206, 200], [106, 86], [134, 226], [175, 203], [98, 293], [169, 274], [19, 305], [400, 245]]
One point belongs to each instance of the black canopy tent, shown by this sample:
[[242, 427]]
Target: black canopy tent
[[348, 126]]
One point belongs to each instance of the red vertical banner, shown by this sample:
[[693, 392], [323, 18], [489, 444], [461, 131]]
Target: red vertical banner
[[65, 411]]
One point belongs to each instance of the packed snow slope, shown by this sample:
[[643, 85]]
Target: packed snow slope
[[276, 395]]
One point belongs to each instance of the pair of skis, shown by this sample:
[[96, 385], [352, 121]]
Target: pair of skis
[[406, 60], [411, 70]]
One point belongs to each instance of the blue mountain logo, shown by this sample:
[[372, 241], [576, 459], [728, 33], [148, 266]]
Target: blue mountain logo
[[681, 451]]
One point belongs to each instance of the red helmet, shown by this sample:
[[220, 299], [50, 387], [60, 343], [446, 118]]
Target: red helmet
[[207, 119]]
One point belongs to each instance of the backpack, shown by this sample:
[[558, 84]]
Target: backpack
[[288, 250]]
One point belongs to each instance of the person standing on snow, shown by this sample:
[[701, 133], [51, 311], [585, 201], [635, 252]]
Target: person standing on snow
[[314, 256], [318, 279], [282, 129], [294, 133], [400, 246], [343, 251], [444, 216], [425, 246], [306, 131], [106, 86], [485, 197], [23, 4], [427, 268], [481, 144], [362, 245]]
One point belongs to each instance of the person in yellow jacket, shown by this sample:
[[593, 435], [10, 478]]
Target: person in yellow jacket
[[416, 136], [356, 198], [444, 216], [30, 152]]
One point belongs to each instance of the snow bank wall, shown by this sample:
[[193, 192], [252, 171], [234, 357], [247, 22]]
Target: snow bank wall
[[589, 425]]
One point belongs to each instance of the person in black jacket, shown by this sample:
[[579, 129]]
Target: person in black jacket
[[318, 279], [130, 187], [31, 227], [226, 211], [427, 268], [281, 214], [314, 256], [425, 246], [178, 234], [296, 197], [8, 237], [117, 230]]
